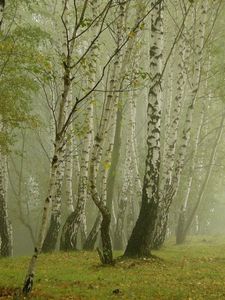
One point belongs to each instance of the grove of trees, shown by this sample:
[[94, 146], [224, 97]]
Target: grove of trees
[[111, 125]]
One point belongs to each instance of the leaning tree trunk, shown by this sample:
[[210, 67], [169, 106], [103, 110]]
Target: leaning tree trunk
[[74, 221], [5, 225], [28, 283], [109, 109], [91, 239], [55, 221], [55, 165], [66, 172], [109, 115], [51, 238], [139, 242]]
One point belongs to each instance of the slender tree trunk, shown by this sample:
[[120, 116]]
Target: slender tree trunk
[[170, 148], [182, 215], [28, 283], [139, 242], [192, 215], [74, 221], [123, 201], [93, 235], [131, 179], [6, 248], [133, 96], [51, 238], [180, 231], [69, 178], [108, 116], [115, 159], [117, 142], [6, 239], [59, 145], [172, 188], [69, 162]]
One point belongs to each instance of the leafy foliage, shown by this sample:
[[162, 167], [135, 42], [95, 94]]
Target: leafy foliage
[[21, 57]]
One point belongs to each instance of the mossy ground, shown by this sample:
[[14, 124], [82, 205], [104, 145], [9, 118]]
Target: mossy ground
[[195, 270]]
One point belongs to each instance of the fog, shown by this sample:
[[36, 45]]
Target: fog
[[112, 121]]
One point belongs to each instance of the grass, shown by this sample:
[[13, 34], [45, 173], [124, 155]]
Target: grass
[[192, 271]]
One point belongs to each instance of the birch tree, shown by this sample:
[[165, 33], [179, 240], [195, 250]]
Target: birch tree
[[139, 242], [70, 64], [172, 188], [61, 129], [108, 119], [186, 220], [70, 229]]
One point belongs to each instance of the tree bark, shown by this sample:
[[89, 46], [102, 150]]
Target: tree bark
[[74, 221], [108, 119], [170, 149], [6, 248], [172, 187], [93, 235], [123, 201], [139, 242], [117, 141]]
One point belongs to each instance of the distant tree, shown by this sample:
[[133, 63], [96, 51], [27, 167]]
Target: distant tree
[[16, 88]]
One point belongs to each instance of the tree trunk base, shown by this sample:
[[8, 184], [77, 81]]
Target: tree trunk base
[[28, 285], [51, 238], [180, 232], [106, 256], [92, 237]]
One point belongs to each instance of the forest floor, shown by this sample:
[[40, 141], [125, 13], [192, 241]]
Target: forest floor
[[192, 271]]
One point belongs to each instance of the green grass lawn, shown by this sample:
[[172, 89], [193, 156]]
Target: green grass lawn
[[195, 270]]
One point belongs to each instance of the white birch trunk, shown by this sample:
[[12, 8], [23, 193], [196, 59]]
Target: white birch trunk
[[194, 91], [69, 156], [133, 145], [173, 172], [170, 144], [57, 160], [174, 121], [127, 60], [181, 231], [108, 116], [119, 240], [77, 219], [139, 242]]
